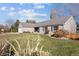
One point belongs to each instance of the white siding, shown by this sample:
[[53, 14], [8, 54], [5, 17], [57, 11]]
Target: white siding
[[41, 30], [49, 28], [60, 27], [21, 30], [70, 25], [52, 28]]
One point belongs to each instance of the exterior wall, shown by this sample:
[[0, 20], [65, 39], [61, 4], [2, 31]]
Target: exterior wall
[[60, 27], [70, 25], [41, 30], [49, 28], [52, 28], [21, 30]]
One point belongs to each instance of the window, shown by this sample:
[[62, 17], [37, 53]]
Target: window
[[55, 27]]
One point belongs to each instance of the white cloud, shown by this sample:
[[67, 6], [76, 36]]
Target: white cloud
[[21, 4], [12, 8], [3, 8], [39, 6], [30, 14], [24, 12], [27, 13], [7, 8], [38, 14], [12, 14]]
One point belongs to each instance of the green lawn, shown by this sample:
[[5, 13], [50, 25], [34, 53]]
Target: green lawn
[[55, 47]]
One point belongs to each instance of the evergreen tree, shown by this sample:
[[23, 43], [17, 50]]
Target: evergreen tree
[[14, 27], [27, 21], [30, 21]]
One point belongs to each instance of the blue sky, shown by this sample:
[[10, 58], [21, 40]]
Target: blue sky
[[32, 11]]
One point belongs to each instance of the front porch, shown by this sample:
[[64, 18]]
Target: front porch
[[46, 29]]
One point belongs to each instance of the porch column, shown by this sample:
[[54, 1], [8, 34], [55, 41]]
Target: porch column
[[52, 28], [49, 28], [41, 30]]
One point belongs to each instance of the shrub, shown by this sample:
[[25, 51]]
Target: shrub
[[59, 33], [72, 36]]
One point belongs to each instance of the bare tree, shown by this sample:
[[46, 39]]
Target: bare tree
[[9, 23]]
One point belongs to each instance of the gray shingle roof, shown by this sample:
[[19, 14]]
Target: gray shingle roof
[[26, 24], [59, 21]]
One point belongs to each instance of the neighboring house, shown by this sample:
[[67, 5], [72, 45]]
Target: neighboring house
[[66, 23], [3, 28]]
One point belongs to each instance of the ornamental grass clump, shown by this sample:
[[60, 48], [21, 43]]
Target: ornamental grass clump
[[32, 48]]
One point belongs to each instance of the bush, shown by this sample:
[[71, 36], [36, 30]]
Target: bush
[[58, 33], [72, 36]]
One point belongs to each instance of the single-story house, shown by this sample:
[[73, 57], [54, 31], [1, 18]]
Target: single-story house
[[66, 23]]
